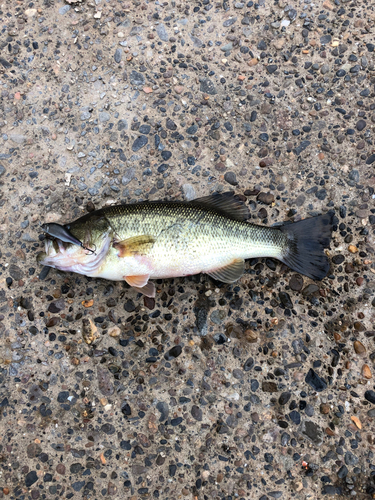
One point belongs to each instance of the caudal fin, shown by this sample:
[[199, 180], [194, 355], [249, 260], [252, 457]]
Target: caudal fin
[[307, 240]]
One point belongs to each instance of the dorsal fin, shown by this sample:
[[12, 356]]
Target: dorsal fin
[[225, 203]]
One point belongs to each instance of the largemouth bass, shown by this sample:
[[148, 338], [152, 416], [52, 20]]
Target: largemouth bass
[[210, 235]]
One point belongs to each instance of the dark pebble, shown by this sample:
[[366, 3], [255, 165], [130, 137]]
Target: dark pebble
[[230, 21], [230, 178], [44, 272], [166, 155], [285, 438], [31, 478], [312, 431], [321, 194], [207, 86], [15, 272], [176, 421], [139, 143], [284, 398], [137, 78], [303, 145], [118, 55], [129, 306], [263, 137], [350, 458], [262, 45], [292, 14], [269, 386], [271, 68], [295, 417], [361, 124], [174, 352], [122, 125], [325, 39], [329, 489], [192, 129], [62, 396], [149, 302], [343, 472], [296, 282], [267, 198], [310, 289], [196, 413], [370, 160], [370, 396], [75, 468], [249, 364], [170, 124], [314, 381], [163, 408], [78, 485], [338, 259], [285, 300], [125, 409], [144, 129], [56, 306]]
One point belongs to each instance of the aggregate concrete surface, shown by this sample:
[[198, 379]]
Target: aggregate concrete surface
[[258, 390]]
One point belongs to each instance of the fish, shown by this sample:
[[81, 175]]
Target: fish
[[151, 240]]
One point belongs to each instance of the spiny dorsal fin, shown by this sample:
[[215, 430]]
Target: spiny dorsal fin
[[136, 245], [230, 273], [225, 203]]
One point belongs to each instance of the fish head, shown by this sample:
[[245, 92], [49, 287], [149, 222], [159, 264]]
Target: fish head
[[83, 259]]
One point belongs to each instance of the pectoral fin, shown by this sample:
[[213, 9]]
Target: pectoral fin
[[230, 273], [141, 284], [136, 245]]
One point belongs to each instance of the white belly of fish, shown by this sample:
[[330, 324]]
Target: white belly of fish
[[155, 266]]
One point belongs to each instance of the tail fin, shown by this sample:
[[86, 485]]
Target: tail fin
[[307, 240]]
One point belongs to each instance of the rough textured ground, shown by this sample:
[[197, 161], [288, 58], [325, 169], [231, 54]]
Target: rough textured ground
[[260, 390]]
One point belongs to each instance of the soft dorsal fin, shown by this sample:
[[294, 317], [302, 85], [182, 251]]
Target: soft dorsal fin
[[225, 203], [135, 245], [230, 273]]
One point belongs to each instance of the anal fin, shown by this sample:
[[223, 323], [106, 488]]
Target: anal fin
[[141, 284], [149, 290], [230, 273], [136, 245]]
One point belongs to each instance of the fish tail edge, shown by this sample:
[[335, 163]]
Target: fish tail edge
[[307, 240]]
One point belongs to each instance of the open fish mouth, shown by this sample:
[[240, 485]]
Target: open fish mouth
[[73, 258]]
